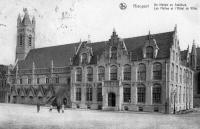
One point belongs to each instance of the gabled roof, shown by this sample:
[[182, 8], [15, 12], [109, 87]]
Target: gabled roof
[[42, 57]]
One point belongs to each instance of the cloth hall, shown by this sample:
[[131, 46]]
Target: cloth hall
[[144, 73]]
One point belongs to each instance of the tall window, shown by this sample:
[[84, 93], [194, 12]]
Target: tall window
[[157, 71], [180, 75], [99, 94], [47, 80], [20, 81], [78, 74], [141, 94], [101, 73], [30, 40], [177, 73], [89, 94], [127, 94], [20, 40], [90, 74], [57, 79], [38, 80], [149, 52], [156, 94], [127, 72], [78, 94], [142, 72], [29, 80], [84, 58], [172, 72], [113, 72], [113, 53], [173, 55]]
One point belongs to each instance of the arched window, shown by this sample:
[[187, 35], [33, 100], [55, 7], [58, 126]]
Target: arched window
[[156, 93], [172, 72], [90, 74], [101, 73], [113, 53], [113, 72], [20, 40], [149, 52], [127, 72], [30, 40], [157, 71], [84, 58], [141, 91], [78, 74], [141, 72]]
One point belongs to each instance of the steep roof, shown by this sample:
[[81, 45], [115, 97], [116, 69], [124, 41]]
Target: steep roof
[[42, 57], [198, 56]]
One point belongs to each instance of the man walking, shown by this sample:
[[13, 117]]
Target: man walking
[[38, 107]]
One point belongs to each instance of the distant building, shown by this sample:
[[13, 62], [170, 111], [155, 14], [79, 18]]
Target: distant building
[[145, 73], [4, 88]]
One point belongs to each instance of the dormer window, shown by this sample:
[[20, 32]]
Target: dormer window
[[113, 53], [84, 58], [149, 52]]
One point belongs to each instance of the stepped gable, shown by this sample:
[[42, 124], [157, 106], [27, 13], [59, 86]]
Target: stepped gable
[[42, 57]]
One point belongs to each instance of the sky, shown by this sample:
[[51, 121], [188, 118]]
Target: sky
[[61, 22]]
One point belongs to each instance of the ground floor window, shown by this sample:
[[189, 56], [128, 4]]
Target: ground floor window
[[99, 94], [156, 94], [127, 94], [141, 94], [78, 94], [89, 94]]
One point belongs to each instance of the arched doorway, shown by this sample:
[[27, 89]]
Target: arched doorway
[[111, 99]]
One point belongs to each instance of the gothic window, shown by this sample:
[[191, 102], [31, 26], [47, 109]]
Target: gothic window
[[38, 80], [157, 71], [172, 72], [89, 94], [78, 74], [177, 73], [101, 73], [47, 80], [78, 94], [127, 72], [84, 58], [113, 53], [29, 81], [30, 40], [156, 93], [149, 52], [20, 40], [99, 94], [141, 72], [180, 75], [90, 74], [57, 79], [20, 81], [141, 91], [113, 72], [127, 94]]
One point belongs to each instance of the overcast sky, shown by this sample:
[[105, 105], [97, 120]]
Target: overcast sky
[[66, 21]]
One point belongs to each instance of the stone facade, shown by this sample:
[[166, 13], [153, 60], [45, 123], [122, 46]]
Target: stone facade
[[4, 87], [145, 73]]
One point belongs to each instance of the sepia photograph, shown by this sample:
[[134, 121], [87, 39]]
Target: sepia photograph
[[99, 64]]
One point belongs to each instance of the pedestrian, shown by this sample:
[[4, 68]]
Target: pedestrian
[[51, 107], [58, 108], [38, 107], [63, 108]]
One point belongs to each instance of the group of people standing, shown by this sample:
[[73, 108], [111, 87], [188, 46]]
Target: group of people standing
[[59, 107]]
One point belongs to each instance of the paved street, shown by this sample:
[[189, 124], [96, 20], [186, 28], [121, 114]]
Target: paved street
[[16, 116]]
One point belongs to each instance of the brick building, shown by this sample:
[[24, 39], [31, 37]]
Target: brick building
[[4, 87], [145, 73]]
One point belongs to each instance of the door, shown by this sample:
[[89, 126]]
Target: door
[[111, 99]]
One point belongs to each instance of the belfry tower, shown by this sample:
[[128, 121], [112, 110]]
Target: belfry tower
[[25, 35]]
